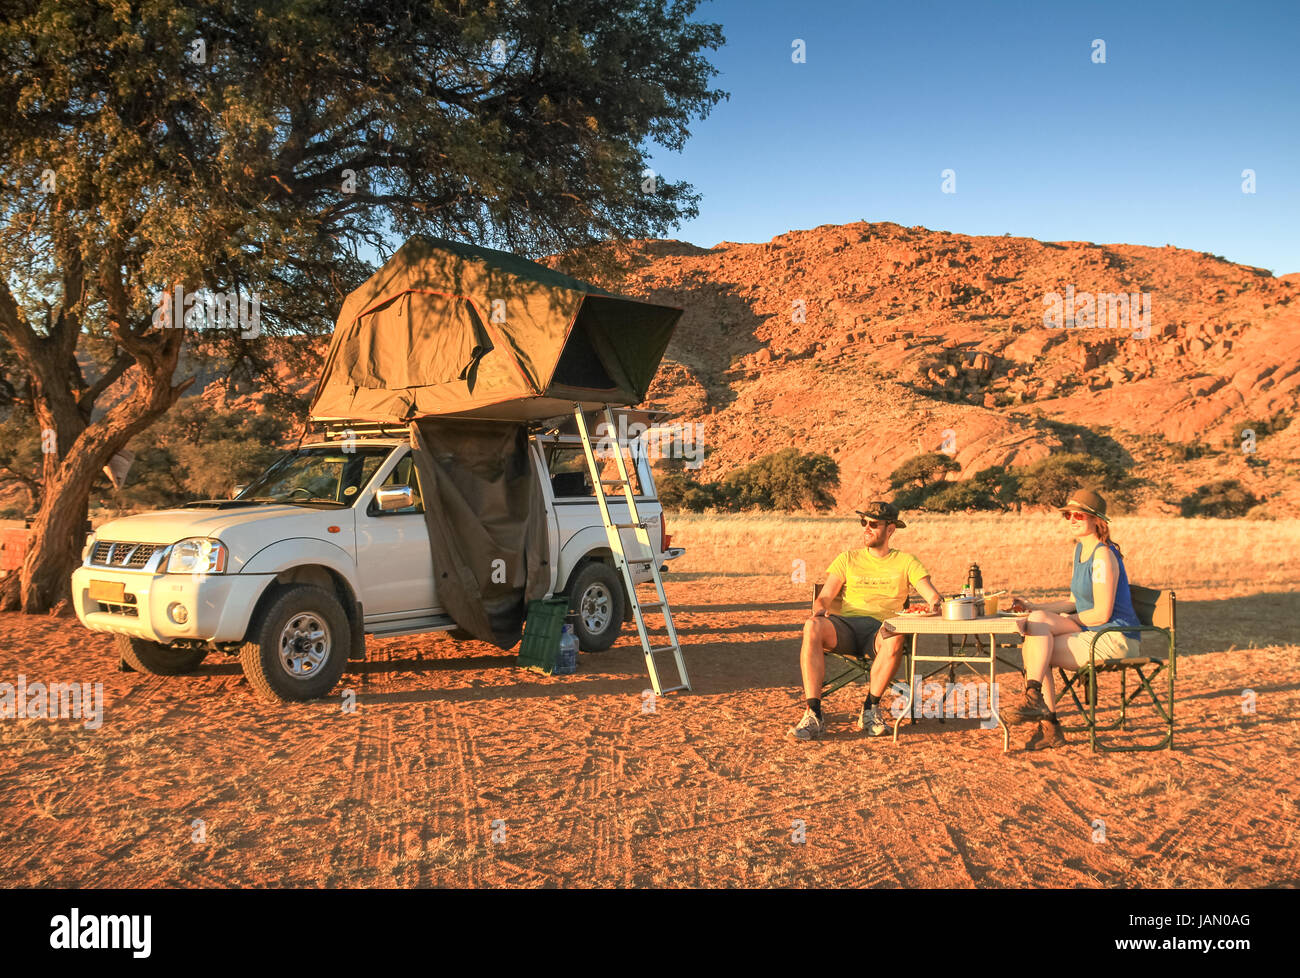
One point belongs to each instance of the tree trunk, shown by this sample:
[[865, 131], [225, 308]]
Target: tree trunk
[[64, 404], [58, 533]]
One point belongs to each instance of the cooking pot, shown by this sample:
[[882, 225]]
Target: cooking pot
[[963, 609]]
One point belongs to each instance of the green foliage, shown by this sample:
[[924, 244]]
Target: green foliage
[[199, 453], [923, 470], [1000, 485], [1050, 480], [784, 480], [20, 449], [959, 497], [1223, 499], [787, 480], [483, 122], [1047, 482], [672, 485]]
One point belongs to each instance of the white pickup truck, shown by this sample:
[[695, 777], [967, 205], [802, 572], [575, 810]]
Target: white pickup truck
[[327, 546]]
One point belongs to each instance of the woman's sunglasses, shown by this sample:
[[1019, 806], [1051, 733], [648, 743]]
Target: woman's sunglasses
[[1075, 516]]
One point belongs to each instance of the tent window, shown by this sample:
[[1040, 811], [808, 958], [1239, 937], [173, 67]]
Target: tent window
[[579, 365]]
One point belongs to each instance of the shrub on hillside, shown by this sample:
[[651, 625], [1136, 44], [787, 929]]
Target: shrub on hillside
[[923, 469], [1260, 427], [1223, 499], [787, 479], [784, 480], [1050, 480], [960, 496]]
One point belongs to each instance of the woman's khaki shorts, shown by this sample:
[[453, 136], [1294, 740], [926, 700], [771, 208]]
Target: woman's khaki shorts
[[1112, 645]]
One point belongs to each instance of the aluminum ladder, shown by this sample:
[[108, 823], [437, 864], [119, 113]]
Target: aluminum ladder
[[613, 532]]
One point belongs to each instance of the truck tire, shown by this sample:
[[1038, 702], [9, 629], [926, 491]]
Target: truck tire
[[596, 596], [298, 648], [157, 659]]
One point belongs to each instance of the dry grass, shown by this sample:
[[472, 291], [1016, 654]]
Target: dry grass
[[1028, 553]]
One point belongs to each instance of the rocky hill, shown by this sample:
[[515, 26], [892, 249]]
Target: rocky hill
[[873, 342]]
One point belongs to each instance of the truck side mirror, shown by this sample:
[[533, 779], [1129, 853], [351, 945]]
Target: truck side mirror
[[394, 497]]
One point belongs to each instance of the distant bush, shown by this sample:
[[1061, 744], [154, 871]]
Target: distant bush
[[1050, 480], [787, 479], [960, 496], [1047, 482], [1224, 499], [784, 480], [923, 470], [1260, 426], [671, 486]]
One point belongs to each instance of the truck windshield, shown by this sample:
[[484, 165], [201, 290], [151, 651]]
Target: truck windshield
[[318, 476]]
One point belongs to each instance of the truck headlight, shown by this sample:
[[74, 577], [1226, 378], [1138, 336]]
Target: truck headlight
[[87, 546], [197, 555]]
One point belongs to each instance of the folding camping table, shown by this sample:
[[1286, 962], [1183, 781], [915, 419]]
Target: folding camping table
[[992, 626]]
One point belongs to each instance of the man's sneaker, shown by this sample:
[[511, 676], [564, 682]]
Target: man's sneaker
[[811, 727], [872, 721], [1033, 709], [1046, 737]]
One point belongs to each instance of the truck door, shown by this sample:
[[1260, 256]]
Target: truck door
[[393, 557]]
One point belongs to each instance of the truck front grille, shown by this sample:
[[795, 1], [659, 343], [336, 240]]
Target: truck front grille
[[110, 554], [127, 608]]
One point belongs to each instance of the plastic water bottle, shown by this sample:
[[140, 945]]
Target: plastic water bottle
[[567, 660]]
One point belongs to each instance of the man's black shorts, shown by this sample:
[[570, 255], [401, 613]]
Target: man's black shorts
[[855, 634]]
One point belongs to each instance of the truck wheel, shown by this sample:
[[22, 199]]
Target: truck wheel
[[299, 648], [596, 595], [157, 659]]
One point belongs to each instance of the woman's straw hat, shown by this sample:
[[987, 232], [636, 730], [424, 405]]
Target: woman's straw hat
[[1087, 501]]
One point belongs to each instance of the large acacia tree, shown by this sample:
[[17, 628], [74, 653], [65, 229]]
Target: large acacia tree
[[265, 147]]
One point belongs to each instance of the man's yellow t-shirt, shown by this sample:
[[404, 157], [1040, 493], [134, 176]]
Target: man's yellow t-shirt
[[875, 586]]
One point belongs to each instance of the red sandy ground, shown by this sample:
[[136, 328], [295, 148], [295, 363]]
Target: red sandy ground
[[591, 790]]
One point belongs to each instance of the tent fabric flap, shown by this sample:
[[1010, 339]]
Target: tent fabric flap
[[448, 329], [486, 520], [418, 339]]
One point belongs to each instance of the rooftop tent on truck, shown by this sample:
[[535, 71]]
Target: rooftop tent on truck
[[467, 345], [447, 329]]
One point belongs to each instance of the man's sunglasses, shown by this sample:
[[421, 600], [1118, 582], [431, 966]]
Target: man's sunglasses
[[873, 524]]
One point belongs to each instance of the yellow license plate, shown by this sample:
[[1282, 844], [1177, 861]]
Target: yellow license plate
[[109, 591]]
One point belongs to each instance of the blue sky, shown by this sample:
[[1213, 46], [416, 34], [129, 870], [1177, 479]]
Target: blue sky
[[1148, 148]]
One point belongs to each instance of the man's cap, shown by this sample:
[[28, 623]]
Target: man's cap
[[881, 511], [1088, 502]]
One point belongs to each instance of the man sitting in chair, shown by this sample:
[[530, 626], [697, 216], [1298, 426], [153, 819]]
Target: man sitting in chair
[[875, 580]]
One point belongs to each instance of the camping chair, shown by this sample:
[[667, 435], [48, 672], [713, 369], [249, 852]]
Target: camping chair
[[857, 668], [1155, 610]]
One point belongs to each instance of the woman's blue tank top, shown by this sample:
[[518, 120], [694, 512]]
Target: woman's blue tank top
[[1081, 588]]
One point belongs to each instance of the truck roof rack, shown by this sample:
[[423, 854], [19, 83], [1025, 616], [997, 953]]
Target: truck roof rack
[[340, 430], [566, 425]]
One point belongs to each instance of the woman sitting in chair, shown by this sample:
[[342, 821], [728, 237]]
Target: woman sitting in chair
[[1057, 632]]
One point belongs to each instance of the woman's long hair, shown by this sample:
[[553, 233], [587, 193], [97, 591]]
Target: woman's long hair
[[1103, 534]]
